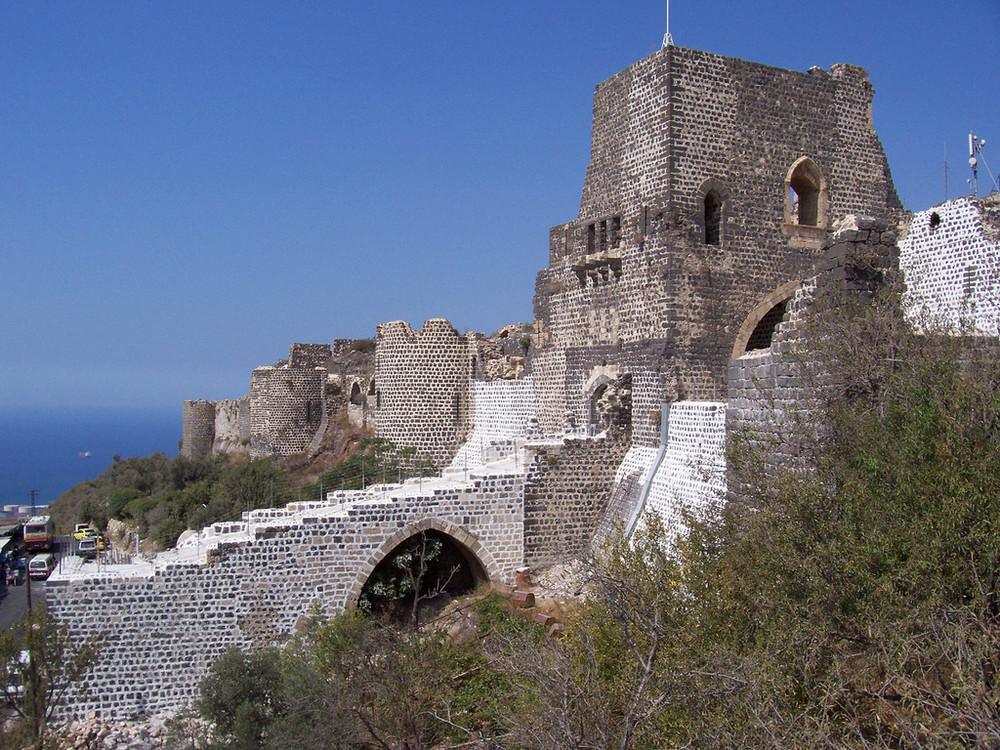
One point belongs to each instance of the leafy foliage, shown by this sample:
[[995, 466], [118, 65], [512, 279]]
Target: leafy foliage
[[39, 655], [163, 496]]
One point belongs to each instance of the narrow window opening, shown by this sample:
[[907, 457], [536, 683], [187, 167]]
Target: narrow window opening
[[591, 238], [804, 196], [713, 218]]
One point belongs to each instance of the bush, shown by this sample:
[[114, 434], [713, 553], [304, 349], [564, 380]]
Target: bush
[[119, 498]]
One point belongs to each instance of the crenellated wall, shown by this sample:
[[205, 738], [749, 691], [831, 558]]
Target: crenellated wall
[[248, 584]]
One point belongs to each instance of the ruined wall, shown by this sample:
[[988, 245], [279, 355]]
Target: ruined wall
[[951, 259], [232, 425], [164, 625], [423, 383], [287, 408], [635, 281], [776, 390], [309, 356], [566, 493]]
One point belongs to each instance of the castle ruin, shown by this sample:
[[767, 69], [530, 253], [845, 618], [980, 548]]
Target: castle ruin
[[720, 195]]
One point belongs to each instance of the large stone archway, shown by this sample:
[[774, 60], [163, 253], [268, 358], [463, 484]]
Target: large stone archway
[[480, 560]]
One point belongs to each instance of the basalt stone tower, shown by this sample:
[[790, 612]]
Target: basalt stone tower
[[712, 186]]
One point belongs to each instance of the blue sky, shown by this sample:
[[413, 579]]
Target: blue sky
[[188, 187]]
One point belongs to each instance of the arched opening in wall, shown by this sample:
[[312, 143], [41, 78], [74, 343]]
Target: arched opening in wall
[[763, 332], [594, 418], [419, 576], [371, 387], [806, 189], [356, 397], [713, 218], [758, 329]]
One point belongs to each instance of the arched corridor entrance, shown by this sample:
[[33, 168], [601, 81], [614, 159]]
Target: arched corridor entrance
[[420, 573]]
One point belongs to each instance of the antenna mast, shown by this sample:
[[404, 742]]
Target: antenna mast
[[974, 147], [668, 41]]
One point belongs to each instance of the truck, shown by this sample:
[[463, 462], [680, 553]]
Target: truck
[[38, 534]]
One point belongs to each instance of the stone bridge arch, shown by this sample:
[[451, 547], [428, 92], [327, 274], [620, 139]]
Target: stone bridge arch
[[480, 561]]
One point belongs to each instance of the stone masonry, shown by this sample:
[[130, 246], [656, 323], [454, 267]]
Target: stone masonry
[[423, 385], [722, 196], [248, 584], [688, 219]]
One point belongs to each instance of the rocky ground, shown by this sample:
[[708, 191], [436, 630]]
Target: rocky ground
[[161, 732]]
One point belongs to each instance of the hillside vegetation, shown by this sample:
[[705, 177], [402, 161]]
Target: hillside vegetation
[[161, 496]]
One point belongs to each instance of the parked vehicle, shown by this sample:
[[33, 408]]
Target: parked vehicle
[[15, 571], [89, 546], [14, 689], [82, 530], [38, 534], [40, 566]]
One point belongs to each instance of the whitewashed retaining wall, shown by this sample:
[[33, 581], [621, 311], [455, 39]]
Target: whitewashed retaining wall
[[691, 474], [952, 266], [166, 622], [501, 412]]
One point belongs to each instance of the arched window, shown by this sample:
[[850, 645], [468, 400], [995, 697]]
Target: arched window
[[758, 329], [806, 199], [713, 218], [708, 215], [356, 398], [763, 332]]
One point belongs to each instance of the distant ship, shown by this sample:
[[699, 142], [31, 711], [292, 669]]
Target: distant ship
[[84, 454]]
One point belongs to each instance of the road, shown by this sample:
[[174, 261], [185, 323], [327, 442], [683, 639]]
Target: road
[[14, 599]]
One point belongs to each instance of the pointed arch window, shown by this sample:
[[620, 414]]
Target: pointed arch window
[[807, 201]]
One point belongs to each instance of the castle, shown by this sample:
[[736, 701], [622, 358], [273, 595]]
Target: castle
[[719, 195]]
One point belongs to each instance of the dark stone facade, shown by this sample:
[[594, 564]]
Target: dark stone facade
[[638, 281]]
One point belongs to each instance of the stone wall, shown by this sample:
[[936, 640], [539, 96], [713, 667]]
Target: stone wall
[[423, 384], [232, 426], [636, 281], [951, 259], [502, 411], [166, 622], [775, 390], [566, 493], [287, 408], [198, 428], [690, 476], [309, 356]]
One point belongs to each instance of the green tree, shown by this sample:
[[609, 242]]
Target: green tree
[[39, 654], [855, 604], [240, 696]]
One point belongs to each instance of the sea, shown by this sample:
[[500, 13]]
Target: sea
[[50, 450]]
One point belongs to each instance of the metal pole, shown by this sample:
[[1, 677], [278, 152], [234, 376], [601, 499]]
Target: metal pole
[[668, 41]]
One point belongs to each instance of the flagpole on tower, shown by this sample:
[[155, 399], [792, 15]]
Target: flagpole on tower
[[668, 41]]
